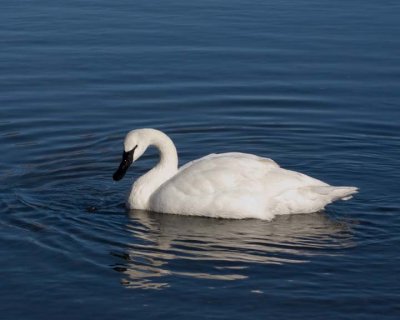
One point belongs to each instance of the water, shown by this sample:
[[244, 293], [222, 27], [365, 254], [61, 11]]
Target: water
[[311, 84]]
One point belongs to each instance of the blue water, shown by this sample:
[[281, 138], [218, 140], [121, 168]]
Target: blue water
[[311, 84]]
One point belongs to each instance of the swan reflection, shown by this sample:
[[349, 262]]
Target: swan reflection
[[165, 245]]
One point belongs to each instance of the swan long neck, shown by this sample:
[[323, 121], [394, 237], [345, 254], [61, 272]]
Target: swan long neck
[[166, 149], [167, 167]]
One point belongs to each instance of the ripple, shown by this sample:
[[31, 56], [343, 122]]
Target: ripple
[[312, 85]]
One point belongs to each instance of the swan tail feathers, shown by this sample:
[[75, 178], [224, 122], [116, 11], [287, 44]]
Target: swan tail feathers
[[310, 199], [335, 193]]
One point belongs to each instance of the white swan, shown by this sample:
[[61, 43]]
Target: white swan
[[227, 185]]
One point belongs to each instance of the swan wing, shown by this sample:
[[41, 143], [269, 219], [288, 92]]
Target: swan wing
[[217, 173], [216, 185], [237, 185]]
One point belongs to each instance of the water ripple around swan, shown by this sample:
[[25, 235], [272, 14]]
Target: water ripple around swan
[[311, 84]]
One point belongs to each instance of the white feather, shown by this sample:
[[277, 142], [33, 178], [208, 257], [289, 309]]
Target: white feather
[[228, 185]]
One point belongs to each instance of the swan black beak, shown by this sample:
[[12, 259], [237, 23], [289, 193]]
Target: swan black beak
[[127, 159]]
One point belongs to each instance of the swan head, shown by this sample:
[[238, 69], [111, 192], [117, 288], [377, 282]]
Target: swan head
[[135, 144]]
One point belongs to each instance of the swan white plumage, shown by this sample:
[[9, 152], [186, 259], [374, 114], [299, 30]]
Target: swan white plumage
[[227, 185]]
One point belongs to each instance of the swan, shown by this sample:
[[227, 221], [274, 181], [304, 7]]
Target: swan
[[226, 185]]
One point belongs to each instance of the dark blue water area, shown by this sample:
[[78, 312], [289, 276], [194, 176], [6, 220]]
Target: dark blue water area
[[314, 85]]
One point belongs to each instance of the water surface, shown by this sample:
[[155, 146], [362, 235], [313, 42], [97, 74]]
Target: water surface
[[313, 85]]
